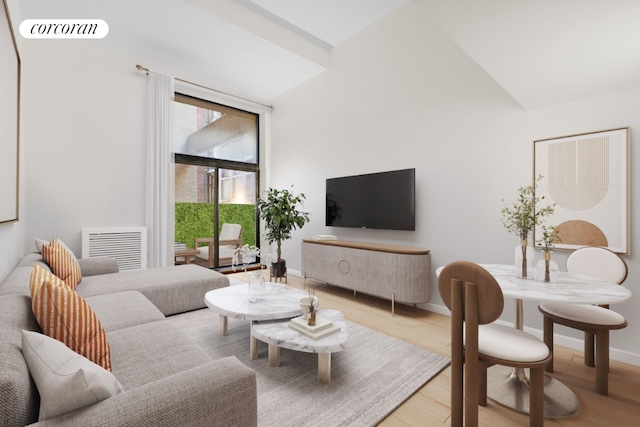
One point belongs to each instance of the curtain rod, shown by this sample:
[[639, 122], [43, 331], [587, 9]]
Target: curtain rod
[[269, 107]]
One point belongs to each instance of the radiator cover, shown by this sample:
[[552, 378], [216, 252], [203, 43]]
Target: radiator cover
[[128, 245]]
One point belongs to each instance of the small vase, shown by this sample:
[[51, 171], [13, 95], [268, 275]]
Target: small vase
[[311, 320], [524, 260], [256, 287], [547, 269]]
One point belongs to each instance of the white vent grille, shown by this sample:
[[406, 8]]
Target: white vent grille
[[128, 245]]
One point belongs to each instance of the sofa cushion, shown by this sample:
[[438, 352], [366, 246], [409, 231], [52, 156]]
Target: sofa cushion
[[66, 381], [18, 393], [175, 289], [64, 315], [123, 309], [62, 262], [161, 348]]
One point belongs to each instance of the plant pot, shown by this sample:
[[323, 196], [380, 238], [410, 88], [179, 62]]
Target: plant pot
[[279, 268]]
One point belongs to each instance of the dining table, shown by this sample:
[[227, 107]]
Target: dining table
[[510, 386]]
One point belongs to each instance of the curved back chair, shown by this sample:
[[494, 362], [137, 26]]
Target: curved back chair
[[475, 300], [594, 321]]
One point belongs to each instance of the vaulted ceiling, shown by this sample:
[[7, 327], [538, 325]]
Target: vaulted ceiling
[[542, 52]]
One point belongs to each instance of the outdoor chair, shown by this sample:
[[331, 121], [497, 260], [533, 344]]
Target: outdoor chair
[[230, 239]]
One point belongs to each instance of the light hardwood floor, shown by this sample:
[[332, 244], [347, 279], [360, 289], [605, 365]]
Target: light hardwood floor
[[430, 406]]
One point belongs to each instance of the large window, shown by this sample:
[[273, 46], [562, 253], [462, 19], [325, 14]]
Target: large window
[[216, 178]]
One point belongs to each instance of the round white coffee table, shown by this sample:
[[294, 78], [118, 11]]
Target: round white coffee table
[[278, 335], [278, 302]]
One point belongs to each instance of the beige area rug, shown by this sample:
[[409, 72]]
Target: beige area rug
[[369, 379]]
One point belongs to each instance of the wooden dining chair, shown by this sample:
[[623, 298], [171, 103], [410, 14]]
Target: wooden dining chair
[[475, 300], [594, 321]]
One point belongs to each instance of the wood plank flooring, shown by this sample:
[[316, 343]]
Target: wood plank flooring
[[430, 406]]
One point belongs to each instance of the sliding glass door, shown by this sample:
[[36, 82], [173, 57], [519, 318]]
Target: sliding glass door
[[216, 179]]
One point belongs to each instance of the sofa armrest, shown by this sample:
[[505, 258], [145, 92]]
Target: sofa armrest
[[220, 393], [98, 265]]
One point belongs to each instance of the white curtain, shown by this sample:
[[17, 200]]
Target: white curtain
[[160, 187]]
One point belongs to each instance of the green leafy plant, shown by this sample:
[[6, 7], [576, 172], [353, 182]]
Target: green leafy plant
[[196, 220], [281, 215], [522, 217], [549, 237]]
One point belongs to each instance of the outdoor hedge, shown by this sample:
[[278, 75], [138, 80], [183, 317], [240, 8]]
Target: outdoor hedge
[[196, 220]]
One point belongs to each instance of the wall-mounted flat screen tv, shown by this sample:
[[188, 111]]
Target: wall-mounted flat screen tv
[[383, 200]]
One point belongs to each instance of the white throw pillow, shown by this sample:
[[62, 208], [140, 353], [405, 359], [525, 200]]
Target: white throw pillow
[[65, 380]]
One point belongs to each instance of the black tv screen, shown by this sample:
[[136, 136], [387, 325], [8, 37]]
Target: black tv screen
[[383, 200]]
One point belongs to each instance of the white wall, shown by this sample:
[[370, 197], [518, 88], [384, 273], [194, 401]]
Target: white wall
[[12, 234], [85, 140], [401, 95]]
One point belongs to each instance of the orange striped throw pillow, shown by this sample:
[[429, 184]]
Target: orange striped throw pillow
[[64, 315], [62, 262]]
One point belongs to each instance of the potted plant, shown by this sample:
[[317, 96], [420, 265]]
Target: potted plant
[[281, 216], [522, 217]]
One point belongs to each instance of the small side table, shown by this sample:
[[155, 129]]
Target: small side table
[[188, 254], [279, 335]]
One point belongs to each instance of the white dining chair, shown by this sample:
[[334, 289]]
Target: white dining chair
[[476, 300], [595, 321]]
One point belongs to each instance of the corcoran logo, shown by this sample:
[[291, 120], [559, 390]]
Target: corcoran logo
[[64, 29]]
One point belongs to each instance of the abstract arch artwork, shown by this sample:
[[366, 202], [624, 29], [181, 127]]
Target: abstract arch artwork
[[587, 177]]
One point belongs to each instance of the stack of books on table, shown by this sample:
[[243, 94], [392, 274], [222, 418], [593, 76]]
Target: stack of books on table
[[321, 329], [324, 237]]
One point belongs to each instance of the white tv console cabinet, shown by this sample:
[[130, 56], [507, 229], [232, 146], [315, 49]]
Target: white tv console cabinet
[[397, 273]]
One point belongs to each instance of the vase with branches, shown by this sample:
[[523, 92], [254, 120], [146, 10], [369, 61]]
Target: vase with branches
[[547, 268], [522, 216]]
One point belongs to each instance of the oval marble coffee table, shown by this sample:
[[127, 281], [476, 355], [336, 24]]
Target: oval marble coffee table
[[280, 335], [278, 302]]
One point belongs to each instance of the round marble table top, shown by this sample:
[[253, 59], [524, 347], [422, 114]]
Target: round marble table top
[[278, 302], [281, 335], [569, 288]]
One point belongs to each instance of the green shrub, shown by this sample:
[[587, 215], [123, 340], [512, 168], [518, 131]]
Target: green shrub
[[195, 220]]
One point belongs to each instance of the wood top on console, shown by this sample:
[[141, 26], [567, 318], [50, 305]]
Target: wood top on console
[[380, 247]]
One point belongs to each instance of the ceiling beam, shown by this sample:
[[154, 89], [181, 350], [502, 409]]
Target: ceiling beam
[[255, 23]]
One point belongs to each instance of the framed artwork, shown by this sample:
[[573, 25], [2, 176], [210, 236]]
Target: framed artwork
[[9, 119], [587, 177]]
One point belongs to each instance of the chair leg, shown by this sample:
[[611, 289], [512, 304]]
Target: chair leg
[[536, 397], [548, 340], [457, 395], [602, 362], [471, 392], [482, 390], [588, 349]]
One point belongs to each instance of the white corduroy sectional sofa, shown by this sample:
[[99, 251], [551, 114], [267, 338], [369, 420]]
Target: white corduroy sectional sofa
[[167, 380]]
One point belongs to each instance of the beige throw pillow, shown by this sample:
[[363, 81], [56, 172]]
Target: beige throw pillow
[[65, 380], [62, 262]]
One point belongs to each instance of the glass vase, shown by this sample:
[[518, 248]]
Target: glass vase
[[524, 260], [547, 269], [256, 287]]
